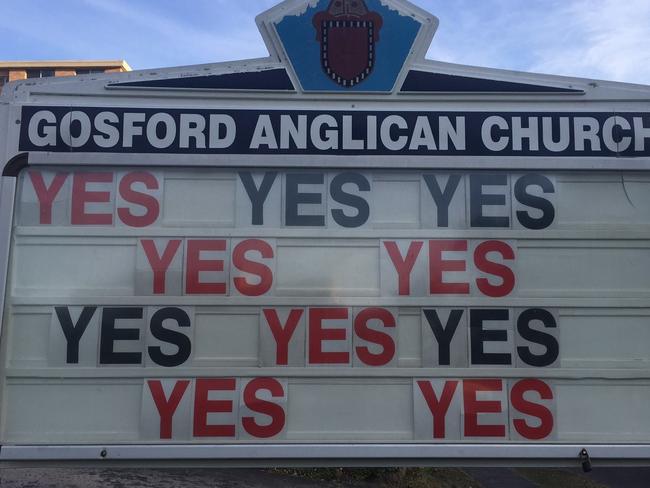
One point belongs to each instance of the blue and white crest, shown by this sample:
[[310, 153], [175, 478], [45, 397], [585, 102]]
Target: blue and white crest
[[373, 39]]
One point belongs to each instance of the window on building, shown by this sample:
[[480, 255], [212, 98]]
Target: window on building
[[40, 73], [92, 71], [4, 79]]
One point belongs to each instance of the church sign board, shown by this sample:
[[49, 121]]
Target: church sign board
[[343, 253]]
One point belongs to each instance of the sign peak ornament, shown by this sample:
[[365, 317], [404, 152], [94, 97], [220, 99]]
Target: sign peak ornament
[[348, 33], [349, 45]]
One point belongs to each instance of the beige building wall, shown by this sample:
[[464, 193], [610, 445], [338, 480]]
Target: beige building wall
[[22, 70]]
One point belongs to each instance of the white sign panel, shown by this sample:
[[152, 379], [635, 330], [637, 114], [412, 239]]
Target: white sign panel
[[474, 331]]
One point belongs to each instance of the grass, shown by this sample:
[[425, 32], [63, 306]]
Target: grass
[[557, 478], [433, 477], [389, 477]]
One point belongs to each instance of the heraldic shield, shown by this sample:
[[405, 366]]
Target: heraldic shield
[[348, 33]]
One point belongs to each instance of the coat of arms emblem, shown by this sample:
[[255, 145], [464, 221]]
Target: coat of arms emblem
[[348, 32]]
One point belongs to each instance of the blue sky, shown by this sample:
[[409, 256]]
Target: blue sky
[[605, 39]]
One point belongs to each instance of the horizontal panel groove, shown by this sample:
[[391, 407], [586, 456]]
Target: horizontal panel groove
[[584, 232], [344, 373], [428, 163], [583, 302]]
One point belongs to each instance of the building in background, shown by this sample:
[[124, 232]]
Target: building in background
[[22, 70]]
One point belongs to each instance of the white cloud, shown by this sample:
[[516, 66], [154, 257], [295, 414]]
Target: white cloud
[[607, 39]]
